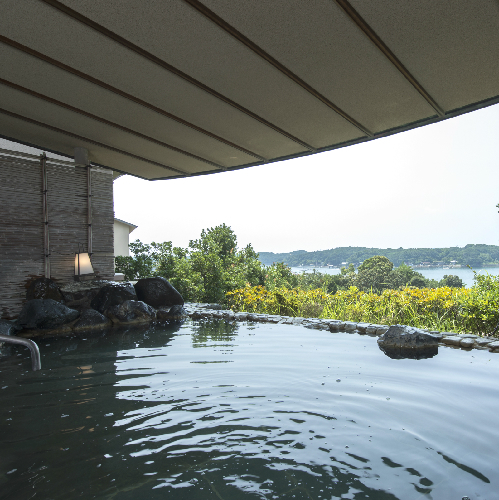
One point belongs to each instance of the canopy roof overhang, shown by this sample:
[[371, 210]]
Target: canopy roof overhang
[[174, 88]]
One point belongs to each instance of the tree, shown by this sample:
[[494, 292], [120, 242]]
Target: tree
[[315, 280], [374, 274], [452, 281], [401, 276], [405, 275], [204, 272], [139, 265], [346, 277], [279, 275]]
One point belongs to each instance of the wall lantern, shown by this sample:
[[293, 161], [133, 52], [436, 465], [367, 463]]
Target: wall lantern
[[83, 266]]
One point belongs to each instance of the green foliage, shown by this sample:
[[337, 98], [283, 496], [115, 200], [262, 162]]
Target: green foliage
[[346, 277], [328, 283], [374, 274], [204, 272], [279, 275], [141, 265], [283, 301], [125, 265], [451, 281], [377, 274], [480, 306]]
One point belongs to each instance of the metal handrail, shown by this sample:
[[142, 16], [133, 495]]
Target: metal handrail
[[36, 363]]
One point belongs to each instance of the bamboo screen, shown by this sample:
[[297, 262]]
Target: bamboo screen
[[21, 225]]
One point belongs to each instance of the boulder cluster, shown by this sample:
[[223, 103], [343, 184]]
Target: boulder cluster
[[80, 306]]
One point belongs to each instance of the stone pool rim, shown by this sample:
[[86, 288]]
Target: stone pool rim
[[463, 341]]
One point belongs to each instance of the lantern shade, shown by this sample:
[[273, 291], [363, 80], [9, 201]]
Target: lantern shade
[[83, 264]]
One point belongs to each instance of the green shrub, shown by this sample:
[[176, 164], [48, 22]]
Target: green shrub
[[480, 306]]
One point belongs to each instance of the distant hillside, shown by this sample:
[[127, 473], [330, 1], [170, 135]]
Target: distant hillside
[[473, 255]]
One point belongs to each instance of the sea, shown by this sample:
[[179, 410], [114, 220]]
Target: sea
[[436, 273]]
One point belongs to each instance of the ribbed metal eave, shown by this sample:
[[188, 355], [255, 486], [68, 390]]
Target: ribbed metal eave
[[172, 69], [385, 133]]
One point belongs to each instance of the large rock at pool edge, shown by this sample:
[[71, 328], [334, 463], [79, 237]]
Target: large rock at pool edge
[[45, 314], [175, 313], [158, 292], [131, 311], [112, 295], [90, 319], [407, 337], [43, 288]]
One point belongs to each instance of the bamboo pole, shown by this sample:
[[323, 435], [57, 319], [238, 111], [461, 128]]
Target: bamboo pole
[[46, 235]]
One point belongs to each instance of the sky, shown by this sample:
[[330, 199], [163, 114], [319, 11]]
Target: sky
[[435, 186]]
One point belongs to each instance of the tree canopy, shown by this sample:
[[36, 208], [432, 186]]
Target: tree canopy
[[211, 266]]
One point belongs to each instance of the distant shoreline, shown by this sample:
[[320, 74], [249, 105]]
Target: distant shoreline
[[437, 273], [477, 256]]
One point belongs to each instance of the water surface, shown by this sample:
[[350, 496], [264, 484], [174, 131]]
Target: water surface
[[227, 411], [437, 273]]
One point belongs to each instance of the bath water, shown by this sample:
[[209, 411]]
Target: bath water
[[213, 410]]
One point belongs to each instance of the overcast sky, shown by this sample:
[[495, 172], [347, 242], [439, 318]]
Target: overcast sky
[[436, 186]]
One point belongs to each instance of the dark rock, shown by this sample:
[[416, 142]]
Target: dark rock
[[90, 319], [198, 314], [43, 288], [362, 327], [8, 327], [131, 311], [79, 294], [452, 340], [407, 337], [349, 327], [334, 325], [382, 329], [274, 318], [45, 314], [493, 346], [410, 353], [371, 330], [112, 295], [229, 315], [208, 306], [80, 300], [483, 341], [157, 292], [169, 313], [467, 343]]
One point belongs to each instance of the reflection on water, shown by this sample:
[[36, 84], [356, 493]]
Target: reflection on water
[[223, 411], [408, 353]]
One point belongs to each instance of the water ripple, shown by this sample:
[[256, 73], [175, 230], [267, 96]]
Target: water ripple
[[265, 412]]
